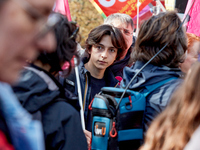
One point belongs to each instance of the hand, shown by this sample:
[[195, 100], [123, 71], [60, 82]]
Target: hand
[[88, 136]]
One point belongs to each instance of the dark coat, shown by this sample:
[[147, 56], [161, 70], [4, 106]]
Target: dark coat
[[85, 78], [43, 96]]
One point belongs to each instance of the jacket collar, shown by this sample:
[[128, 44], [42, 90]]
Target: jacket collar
[[108, 75], [149, 75]]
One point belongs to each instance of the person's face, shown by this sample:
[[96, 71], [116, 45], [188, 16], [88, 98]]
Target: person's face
[[127, 32], [20, 24], [191, 57], [102, 55]]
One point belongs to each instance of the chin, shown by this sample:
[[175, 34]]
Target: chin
[[10, 79], [101, 68]]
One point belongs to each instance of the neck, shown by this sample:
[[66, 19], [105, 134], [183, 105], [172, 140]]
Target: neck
[[96, 73], [46, 67]]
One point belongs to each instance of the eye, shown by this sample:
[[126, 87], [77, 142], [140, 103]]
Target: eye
[[126, 31], [99, 47], [34, 16], [113, 50]]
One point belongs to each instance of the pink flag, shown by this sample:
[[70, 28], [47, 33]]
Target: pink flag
[[194, 21], [62, 7]]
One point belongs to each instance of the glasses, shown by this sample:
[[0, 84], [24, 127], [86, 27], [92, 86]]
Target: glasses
[[126, 31], [46, 24], [53, 19]]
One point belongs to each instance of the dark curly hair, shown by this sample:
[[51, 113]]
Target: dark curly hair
[[117, 39], [65, 33], [156, 32]]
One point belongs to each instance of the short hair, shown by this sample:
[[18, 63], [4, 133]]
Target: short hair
[[191, 38], [155, 33], [66, 46], [117, 39], [123, 18]]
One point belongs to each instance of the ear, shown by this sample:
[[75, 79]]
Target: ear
[[89, 51]]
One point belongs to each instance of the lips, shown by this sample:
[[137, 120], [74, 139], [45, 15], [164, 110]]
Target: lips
[[102, 62]]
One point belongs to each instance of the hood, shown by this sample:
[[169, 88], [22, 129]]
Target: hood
[[33, 91], [149, 75]]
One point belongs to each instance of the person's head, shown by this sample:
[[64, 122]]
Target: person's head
[[180, 119], [125, 23], [65, 33], [192, 52], [21, 22], [155, 33], [105, 43]]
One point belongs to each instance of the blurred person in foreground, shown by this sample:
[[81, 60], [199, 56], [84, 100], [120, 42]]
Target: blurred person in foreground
[[154, 33], [44, 97], [21, 40], [174, 127], [125, 23], [192, 52]]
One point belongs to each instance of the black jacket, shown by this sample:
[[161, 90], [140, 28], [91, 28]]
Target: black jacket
[[85, 81], [42, 95]]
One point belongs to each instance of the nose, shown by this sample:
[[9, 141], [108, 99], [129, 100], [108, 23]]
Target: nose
[[47, 42], [104, 54]]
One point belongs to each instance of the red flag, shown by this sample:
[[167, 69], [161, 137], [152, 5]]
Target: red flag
[[121, 6]]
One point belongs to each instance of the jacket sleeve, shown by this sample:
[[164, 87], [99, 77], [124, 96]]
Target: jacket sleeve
[[62, 128]]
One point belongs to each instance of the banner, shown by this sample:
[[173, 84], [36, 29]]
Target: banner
[[119, 6]]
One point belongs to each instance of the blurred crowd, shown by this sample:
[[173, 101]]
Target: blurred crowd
[[48, 81]]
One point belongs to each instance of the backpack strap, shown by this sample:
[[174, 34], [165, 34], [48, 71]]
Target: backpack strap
[[150, 88]]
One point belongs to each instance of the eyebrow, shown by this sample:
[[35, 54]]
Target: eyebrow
[[108, 47]]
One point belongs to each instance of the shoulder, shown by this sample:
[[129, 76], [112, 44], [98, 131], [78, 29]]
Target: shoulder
[[162, 95], [29, 79]]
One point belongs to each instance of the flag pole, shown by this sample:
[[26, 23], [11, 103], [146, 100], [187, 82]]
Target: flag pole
[[137, 29], [161, 5], [79, 94], [67, 10]]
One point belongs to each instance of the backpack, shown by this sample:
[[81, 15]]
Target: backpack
[[119, 124]]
